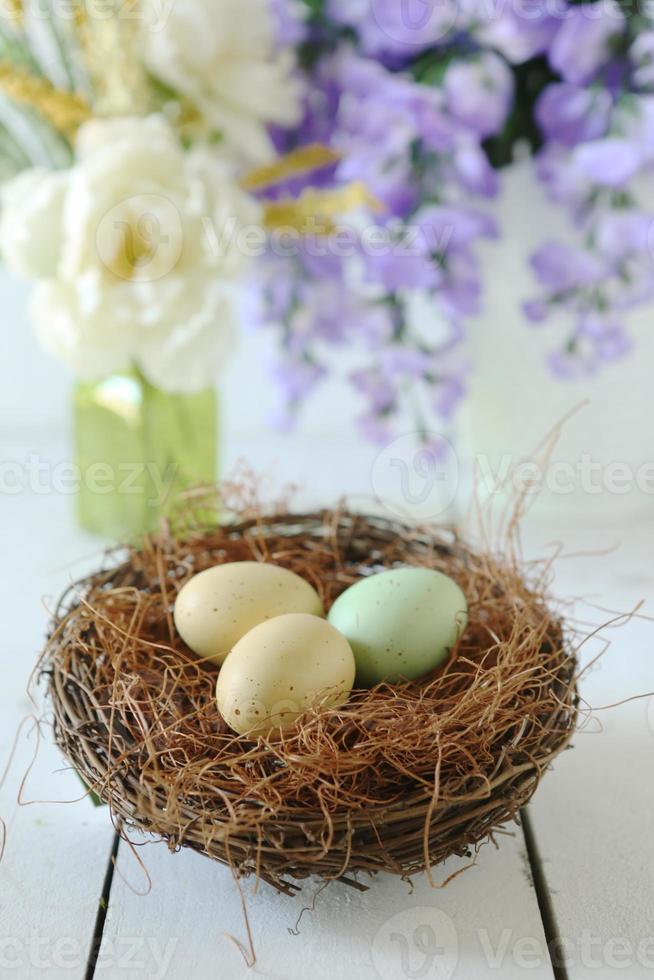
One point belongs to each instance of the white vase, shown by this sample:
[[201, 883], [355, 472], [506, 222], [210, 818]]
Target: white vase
[[604, 460]]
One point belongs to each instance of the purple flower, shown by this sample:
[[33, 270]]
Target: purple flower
[[296, 379], [519, 30], [479, 92], [565, 184], [413, 132], [641, 54], [375, 428], [609, 162], [290, 18], [569, 367], [568, 114], [399, 269], [620, 233], [373, 322], [536, 310], [595, 325], [613, 344], [397, 362], [436, 127], [377, 120], [462, 288], [634, 119], [473, 169], [449, 393], [444, 227], [598, 339], [561, 267], [375, 387], [397, 30], [582, 44]]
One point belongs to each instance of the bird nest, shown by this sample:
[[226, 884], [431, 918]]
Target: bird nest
[[397, 779]]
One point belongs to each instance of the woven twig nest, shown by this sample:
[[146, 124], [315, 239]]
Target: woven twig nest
[[397, 779]]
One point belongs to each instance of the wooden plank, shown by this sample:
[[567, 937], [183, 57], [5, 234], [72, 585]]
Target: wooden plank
[[594, 813], [50, 884], [56, 855], [485, 923]]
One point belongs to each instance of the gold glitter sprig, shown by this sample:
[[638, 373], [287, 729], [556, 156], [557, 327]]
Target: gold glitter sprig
[[111, 51], [65, 111], [314, 209], [302, 161], [12, 10]]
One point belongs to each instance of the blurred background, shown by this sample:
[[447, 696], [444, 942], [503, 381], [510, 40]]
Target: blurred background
[[390, 251]]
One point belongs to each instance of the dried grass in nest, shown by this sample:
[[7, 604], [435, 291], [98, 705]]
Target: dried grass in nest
[[397, 779]]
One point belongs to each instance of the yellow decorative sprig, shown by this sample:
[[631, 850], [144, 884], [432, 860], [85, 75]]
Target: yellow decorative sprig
[[314, 209], [65, 111], [110, 48], [12, 10], [298, 162]]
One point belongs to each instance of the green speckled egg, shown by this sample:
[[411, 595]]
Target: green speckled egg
[[401, 623]]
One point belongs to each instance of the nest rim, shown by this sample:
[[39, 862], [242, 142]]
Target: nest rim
[[403, 836]]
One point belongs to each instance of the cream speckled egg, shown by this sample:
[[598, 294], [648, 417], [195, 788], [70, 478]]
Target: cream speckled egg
[[217, 607], [400, 623], [280, 669]]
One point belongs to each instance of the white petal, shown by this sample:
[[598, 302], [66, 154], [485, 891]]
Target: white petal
[[93, 347], [185, 351], [30, 227]]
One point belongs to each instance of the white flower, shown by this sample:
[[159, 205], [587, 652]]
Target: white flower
[[195, 327], [94, 343], [223, 56], [135, 251], [35, 198], [188, 330]]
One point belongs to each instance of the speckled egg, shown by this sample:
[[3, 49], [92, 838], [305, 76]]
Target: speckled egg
[[217, 607], [401, 623], [280, 669]]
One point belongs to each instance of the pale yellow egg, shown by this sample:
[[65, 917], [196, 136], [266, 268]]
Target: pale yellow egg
[[217, 607], [280, 669]]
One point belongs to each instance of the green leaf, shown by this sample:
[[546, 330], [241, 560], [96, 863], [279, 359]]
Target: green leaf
[[37, 142]]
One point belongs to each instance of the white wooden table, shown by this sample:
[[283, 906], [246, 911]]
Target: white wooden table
[[581, 876]]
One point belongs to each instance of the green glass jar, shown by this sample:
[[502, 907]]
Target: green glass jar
[[137, 449]]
